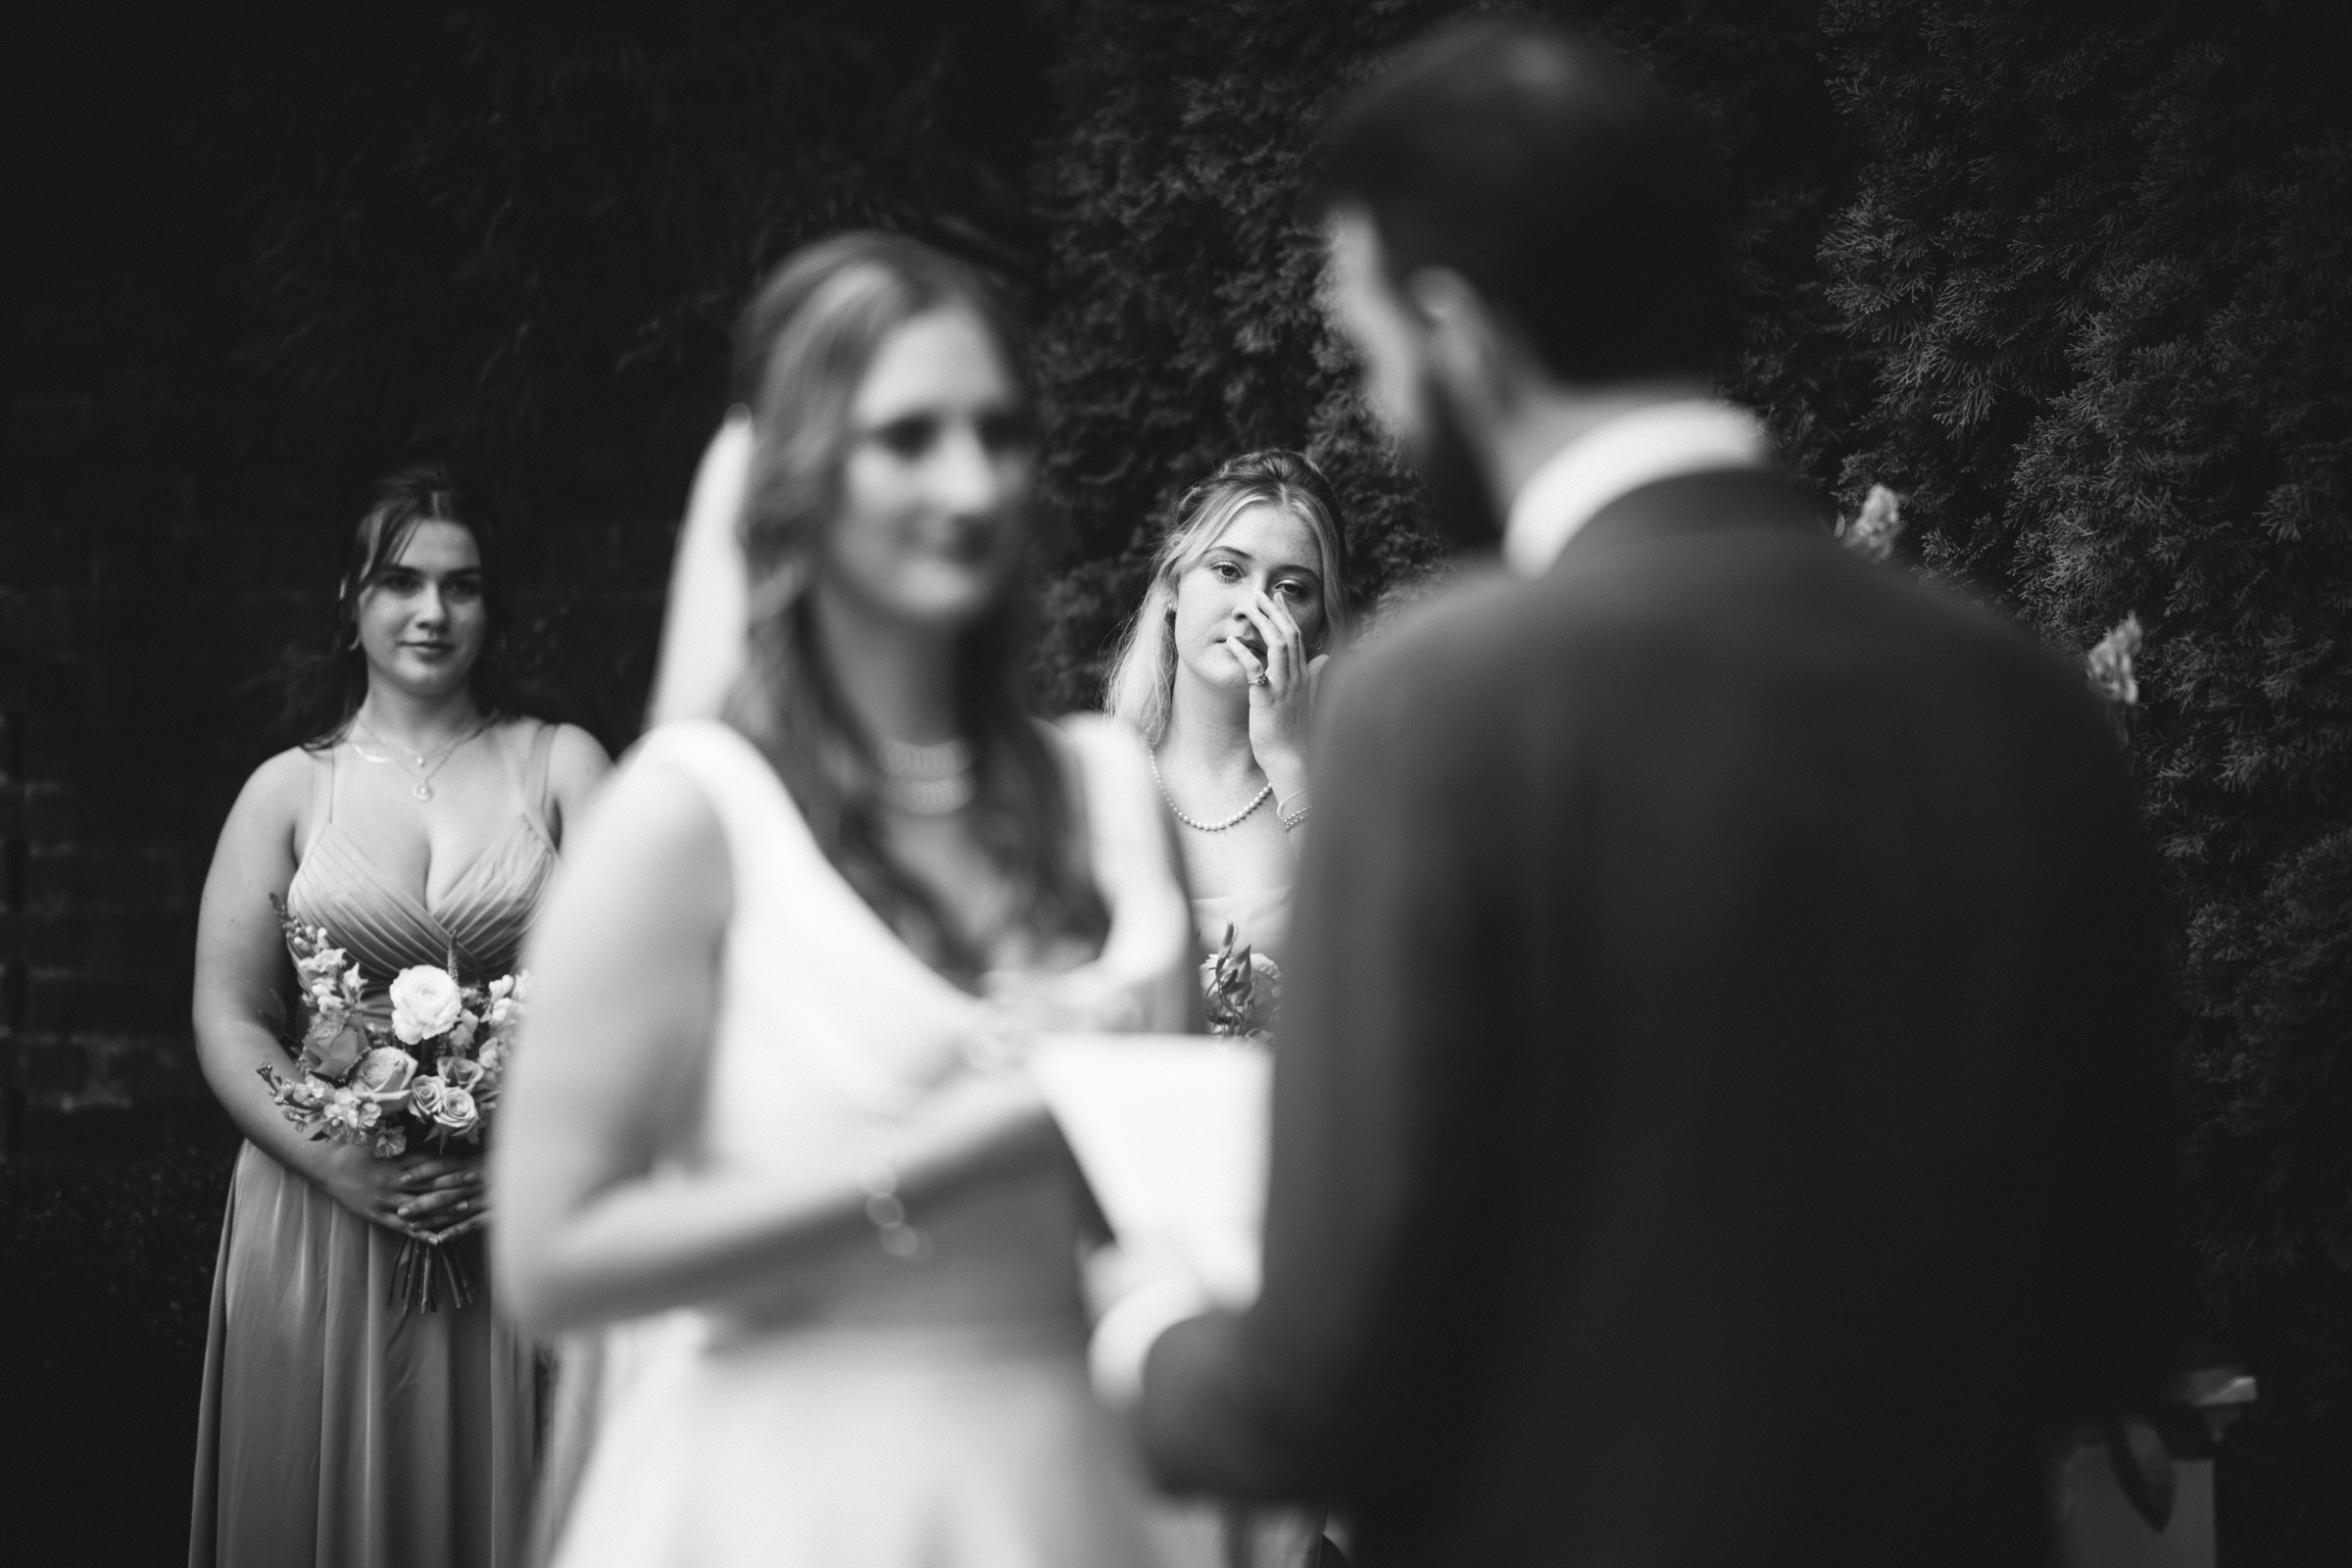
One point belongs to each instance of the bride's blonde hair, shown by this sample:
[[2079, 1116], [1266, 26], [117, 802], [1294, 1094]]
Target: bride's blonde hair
[[1143, 674]]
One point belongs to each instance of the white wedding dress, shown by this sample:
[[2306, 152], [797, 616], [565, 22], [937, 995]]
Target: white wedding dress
[[886, 1413]]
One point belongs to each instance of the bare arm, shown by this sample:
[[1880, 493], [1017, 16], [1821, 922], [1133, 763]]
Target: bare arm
[[577, 766], [242, 979], [625, 974]]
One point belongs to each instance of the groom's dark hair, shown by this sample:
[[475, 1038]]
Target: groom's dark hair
[[1580, 197]]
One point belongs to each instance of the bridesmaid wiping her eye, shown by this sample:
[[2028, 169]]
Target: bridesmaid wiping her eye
[[1217, 673], [419, 822]]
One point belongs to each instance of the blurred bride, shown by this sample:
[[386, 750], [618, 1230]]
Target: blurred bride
[[764, 1086]]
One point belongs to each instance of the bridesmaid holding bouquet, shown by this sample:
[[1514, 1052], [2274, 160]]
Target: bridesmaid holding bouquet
[[419, 825]]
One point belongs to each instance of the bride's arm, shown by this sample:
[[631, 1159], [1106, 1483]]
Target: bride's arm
[[611, 1068]]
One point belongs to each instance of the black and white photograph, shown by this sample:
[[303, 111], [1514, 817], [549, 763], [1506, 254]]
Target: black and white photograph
[[1177, 784]]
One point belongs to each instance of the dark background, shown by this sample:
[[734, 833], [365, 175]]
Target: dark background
[[2072, 276]]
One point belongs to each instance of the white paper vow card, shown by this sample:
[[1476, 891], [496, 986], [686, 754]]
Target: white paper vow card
[[1172, 1133]]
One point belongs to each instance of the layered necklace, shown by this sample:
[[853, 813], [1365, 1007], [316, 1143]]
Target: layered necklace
[[925, 780], [424, 765], [1193, 823]]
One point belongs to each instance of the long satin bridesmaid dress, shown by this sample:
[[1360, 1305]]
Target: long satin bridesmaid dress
[[335, 1428]]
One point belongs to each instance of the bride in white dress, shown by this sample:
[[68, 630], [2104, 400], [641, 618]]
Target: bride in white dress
[[768, 1087]]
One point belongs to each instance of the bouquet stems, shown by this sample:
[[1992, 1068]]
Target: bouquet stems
[[429, 1274]]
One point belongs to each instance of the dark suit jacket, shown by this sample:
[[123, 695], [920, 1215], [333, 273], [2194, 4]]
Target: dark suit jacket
[[1722, 1108]]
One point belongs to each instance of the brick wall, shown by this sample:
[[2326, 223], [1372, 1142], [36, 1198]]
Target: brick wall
[[132, 707]]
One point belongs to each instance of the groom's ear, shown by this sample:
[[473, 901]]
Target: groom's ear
[[1472, 346]]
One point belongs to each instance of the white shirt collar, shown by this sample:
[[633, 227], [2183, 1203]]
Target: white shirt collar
[[1622, 455]]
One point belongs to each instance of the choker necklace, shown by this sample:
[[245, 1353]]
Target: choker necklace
[[925, 780], [426, 763], [1195, 823]]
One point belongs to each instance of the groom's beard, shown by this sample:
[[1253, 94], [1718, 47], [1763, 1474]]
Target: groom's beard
[[1458, 497]]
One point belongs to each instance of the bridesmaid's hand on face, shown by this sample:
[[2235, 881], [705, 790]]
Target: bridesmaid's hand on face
[[1282, 691]]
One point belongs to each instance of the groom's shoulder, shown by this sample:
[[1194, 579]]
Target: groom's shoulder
[[1477, 624], [1431, 624], [1447, 653]]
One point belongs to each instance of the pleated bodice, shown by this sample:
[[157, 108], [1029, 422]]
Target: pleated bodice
[[481, 919]]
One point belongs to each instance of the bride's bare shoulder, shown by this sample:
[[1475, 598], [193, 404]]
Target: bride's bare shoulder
[[1103, 754], [652, 807], [648, 858], [1096, 736]]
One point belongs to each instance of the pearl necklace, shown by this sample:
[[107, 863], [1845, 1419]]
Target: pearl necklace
[[925, 780], [1195, 823]]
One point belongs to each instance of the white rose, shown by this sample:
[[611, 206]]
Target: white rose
[[424, 1004]]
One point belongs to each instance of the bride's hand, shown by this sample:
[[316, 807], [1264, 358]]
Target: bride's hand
[[1282, 693]]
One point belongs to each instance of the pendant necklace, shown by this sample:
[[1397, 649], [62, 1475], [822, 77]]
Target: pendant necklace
[[426, 763], [1195, 823]]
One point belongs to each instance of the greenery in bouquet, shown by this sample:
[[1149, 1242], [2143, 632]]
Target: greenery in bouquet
[[1242, 989], [428, 1076]]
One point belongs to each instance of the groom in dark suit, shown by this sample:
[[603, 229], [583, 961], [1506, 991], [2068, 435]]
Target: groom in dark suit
[[1721, 1114]]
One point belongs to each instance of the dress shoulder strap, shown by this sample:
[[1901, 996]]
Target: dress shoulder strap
[[322, 793], [534, 773]]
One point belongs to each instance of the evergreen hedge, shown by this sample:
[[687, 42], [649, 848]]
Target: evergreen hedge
[[2101, 261]]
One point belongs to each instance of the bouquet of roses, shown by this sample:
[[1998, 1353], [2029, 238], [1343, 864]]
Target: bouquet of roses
[[430, 1077], [1243, 990]]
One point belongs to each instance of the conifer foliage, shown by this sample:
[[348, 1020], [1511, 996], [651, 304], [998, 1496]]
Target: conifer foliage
[[2101, 259]]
